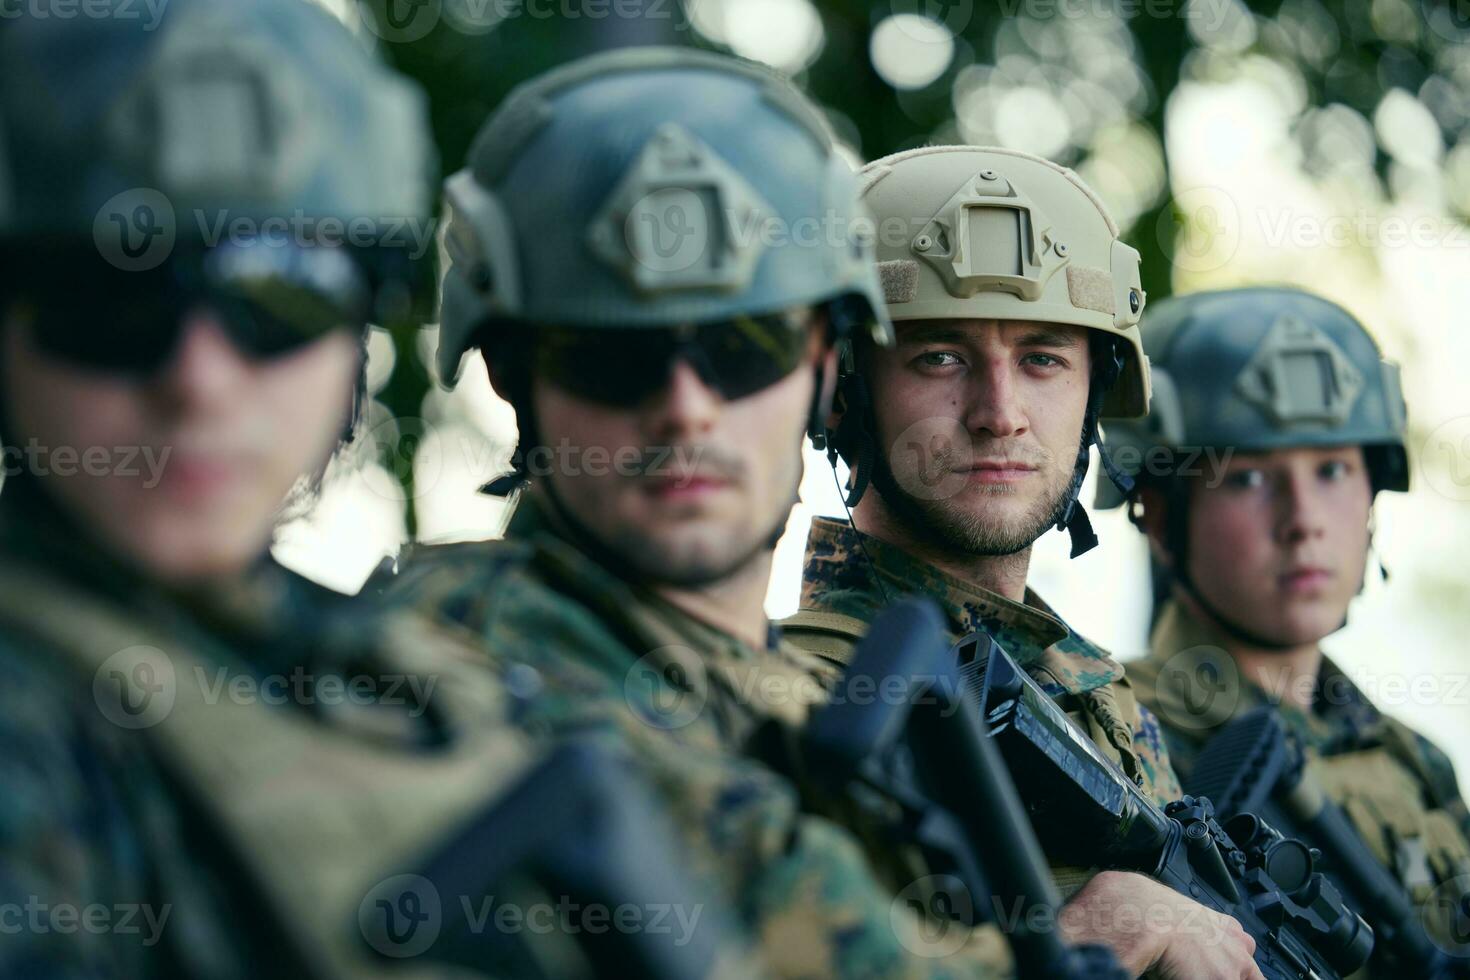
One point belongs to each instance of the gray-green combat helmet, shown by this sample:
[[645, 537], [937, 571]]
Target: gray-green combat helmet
[[1258, 369], [136, 140], [968, 232], [652, 187]]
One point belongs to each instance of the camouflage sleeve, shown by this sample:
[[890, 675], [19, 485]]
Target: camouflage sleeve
[[1153, 757], [800, 884], [70, 892]]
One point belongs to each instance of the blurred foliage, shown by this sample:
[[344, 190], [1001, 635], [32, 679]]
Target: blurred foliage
[[1378, 90]]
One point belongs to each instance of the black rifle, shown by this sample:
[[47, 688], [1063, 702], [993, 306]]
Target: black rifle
[[579, 828], [1089, 813], [1254, 765], [901, 731]]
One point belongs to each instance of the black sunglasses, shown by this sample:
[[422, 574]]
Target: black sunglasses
[[622, 367], [271, 299]]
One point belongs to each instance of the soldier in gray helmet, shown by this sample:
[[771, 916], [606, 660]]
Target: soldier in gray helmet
[[1275, 424], [655, 251], [212, 768]]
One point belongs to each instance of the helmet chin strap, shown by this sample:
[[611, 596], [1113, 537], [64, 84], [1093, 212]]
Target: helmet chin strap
[[1107, 359]]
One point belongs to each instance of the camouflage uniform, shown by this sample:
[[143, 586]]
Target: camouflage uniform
[[1398, 787], [99, 814], [604, 653], [222, 780], [575, 179], [839, 582], [1231, 374]]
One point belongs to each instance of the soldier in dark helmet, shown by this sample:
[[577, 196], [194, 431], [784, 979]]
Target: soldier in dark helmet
[[1275, 424], [654, 251], [210, 765]]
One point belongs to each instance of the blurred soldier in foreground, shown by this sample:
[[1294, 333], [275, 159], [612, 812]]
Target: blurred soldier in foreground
[[211, 768], [652, 249], [1016, 308], [1275, 423]]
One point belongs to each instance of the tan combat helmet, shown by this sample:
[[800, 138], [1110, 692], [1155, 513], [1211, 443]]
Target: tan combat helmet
[[966, 232], [993, 233]]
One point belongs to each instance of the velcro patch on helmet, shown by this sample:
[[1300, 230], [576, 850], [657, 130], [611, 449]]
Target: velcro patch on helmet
[[215, 113], [681, 218], [1299, 374], [990, 236], [900, 280], [1090, 289]]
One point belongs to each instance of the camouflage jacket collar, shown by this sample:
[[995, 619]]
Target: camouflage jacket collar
[[839, 577], [1210, 691], [681, 649]]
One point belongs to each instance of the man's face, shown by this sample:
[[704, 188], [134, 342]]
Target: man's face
[[980, 422], [182, 472], [687, 487], [1280, 544]]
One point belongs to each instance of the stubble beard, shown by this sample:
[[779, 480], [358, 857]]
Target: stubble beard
[[715, 558], [949, 525]]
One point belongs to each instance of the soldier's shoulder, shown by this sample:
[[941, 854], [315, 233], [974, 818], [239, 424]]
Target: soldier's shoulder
[[825, 635], [450, 580], [1142, 674], [418, 561], [1426, 757]]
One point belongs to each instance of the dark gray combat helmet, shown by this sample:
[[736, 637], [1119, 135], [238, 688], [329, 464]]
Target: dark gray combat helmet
[[653, 187], [1258, 369], [132, 138]]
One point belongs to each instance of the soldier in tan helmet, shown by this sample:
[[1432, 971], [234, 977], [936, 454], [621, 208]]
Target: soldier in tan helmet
[[1016, 308]]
